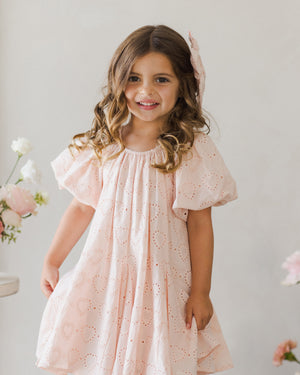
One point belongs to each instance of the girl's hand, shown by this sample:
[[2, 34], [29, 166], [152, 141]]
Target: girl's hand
[[49, 278], [200, 305]]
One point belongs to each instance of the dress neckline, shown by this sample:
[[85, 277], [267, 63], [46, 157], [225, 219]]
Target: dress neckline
[[141, 152], [146, 152]]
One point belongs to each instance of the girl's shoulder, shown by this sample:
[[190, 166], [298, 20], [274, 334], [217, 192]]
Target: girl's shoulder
[[201, 138], [203, 179], [203, 148]]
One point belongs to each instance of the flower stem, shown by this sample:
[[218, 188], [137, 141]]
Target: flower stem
[[19, 157], [26, 216], [290, 356]]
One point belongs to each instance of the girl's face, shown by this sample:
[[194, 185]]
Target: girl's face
[[152, 89]]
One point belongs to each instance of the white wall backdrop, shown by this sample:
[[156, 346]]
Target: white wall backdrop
[[54, 57]]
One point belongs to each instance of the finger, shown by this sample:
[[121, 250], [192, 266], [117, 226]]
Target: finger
[[189, 315], [46, 290], [202, 325], [47, 287], [53, 282], [207, 320], [48, 293]]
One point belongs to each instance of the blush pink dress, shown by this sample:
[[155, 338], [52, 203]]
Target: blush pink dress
[[121, 309]]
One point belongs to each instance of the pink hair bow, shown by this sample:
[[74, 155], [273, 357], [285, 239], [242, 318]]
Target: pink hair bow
[[199, 71]]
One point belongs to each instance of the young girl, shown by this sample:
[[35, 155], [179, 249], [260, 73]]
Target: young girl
[[137, 301]]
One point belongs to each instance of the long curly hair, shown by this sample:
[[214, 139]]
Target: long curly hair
[[184, 120]]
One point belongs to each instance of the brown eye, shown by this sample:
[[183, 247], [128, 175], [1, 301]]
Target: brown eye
[[163, 79], [133, 79]]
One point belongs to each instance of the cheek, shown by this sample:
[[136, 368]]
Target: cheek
[[170, 94], [171, 97], [129, 93]]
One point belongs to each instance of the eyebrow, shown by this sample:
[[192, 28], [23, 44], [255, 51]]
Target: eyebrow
[[158, 74]]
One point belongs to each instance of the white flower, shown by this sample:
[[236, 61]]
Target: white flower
[[30, 172], [10, 217], [42, 197], [45, 196], [21, 145]]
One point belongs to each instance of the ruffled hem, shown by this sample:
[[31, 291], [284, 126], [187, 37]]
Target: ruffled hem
[[53, 370], [214, 355]]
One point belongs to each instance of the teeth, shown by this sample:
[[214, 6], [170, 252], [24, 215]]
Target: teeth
[[147, 103]]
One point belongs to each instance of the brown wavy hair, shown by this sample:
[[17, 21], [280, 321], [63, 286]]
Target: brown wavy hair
[[185, 119]]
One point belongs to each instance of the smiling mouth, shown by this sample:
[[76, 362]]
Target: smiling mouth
[[147, 104]]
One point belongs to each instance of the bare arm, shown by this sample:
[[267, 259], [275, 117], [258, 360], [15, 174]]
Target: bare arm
[[201, 243], [72, 225]]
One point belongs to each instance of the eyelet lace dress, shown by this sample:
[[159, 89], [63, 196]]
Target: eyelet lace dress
[[121, 309]]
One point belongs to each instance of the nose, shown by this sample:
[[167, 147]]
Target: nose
[[146, 87]]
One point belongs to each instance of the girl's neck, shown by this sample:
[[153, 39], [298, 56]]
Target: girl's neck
[[146, 129], [140, 135]]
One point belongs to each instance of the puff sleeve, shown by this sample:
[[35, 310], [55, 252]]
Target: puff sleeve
[[80, 174], [202, 180]]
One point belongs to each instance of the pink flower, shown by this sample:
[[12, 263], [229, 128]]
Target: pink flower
[[18, 199], [10, 217], [284, 347], [292, 264], [1, 228]]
